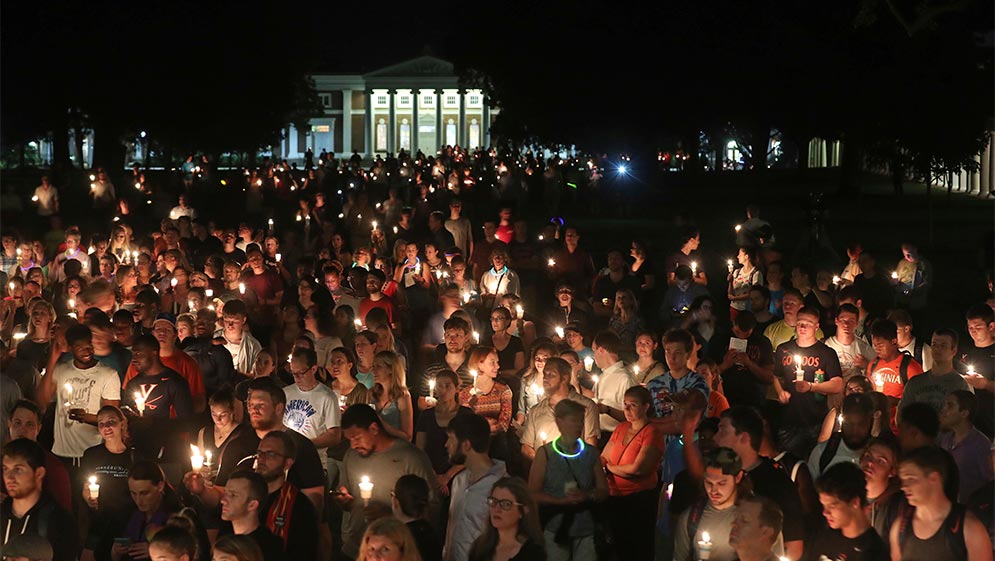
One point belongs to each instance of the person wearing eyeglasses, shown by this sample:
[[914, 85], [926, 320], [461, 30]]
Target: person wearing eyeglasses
[[286, 512], [312, 408], [513, 531]]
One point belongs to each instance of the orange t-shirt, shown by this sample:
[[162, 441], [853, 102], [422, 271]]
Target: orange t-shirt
[[717, 403], [185, 366], [621, 454], [891, 375]]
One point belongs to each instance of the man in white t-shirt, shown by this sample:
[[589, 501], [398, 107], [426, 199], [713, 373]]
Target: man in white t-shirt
[[80, 387], [182, 209], [854, 353], [312, 408], [46, 198], [907, 342], [609, 390]]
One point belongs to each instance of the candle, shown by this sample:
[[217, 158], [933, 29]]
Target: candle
[[365, 489], [519, 311], [374, 223], [670, 491], [358, 322], [542, 435], [395, 230], [207, 458], [270, 223], [738, 227], [551, 262], [476, 337], [541, 237], [209, 293], [473, 390], [34, 199], [241, 288], [894, 275], [140, 403], [191, 304], [694, 267], [94, 488], [536, 389], [836, 279], [878, 382], [196, 460], [559, 331], [971, 371], [799, 373], [20, 335], [705, 546], [595, 380], [71, 303], [279, 257], [839, 422], [466, 297], [588, 363], [729, 264], [431, 388]]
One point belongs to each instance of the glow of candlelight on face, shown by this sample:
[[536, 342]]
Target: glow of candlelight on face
[[559, 331], [196, 460], [365, 488], [241, 288], [10, 286]]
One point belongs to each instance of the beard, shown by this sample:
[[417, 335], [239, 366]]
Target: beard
[[457, 458]]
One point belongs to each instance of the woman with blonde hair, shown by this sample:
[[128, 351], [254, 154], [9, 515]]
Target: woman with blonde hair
[[126, 286], [391, 398], [237, 548], [388, 539], [625, 320], [513, 530]]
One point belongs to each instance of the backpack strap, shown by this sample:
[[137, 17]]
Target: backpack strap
[[917, 350], [832, 445], [694, 518], [903, 368]]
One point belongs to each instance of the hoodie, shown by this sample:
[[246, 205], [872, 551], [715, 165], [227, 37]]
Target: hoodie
[[46, 519]]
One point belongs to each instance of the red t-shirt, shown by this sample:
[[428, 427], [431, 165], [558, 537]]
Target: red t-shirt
[[621, 454], [183, 365], [365, 305]]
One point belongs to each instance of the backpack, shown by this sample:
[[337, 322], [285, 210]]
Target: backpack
[[903, 367]]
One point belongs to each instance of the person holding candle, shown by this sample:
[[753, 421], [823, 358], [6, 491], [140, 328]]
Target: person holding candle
[[892, 368], [646, 367], [542, 419], [380, 457], [566, 479], [240, 343], [977, 362], [80, 387], [488, 397], [690, 240], [109, 464], [741, 279], [27, 509], [430, 431], [37, 344], [467, 443], [569, 311], [511, 353], [713, 512], [631, 459], [499, 279], [611, 385], [226, 443], [529, 394], [171, 357], [804, 400]]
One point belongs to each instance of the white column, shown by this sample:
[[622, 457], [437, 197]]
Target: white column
[[391, 121], [415, 94], [461, 131], [440, 136], [485, 125], [347, 123], [986, 170], [975, 185], [369, 123]]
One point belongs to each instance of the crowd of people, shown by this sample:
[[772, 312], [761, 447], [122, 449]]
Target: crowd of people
[[379, 376]]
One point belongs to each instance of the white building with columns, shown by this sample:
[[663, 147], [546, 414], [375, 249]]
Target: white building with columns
[[414, 105]]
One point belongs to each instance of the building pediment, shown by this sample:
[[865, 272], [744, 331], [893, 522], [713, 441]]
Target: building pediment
[[422, 67]]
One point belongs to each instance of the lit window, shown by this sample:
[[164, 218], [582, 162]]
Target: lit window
[[451, 100], [404, 100], [381, 100], [474, 100], [320, 128], [326, 99], [428, 100]]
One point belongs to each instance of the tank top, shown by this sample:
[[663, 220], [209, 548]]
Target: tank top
[[947, 544], [579, 471]]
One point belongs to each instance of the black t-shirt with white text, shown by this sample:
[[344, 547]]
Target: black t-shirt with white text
[[833, 545], [805, 409]]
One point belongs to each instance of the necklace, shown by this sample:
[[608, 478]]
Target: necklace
[[580, 449]]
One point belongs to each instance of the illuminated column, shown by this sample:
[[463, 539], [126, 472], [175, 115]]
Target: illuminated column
[[416, 93], [485, 130], [369, 123], [439, 134], [391, 118], [461, 131], [347, 122]]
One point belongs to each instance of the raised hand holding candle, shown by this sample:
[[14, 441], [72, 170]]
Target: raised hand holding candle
[[588, 363], [365, 489], [559, 331], [519, 311], [729, 264]]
